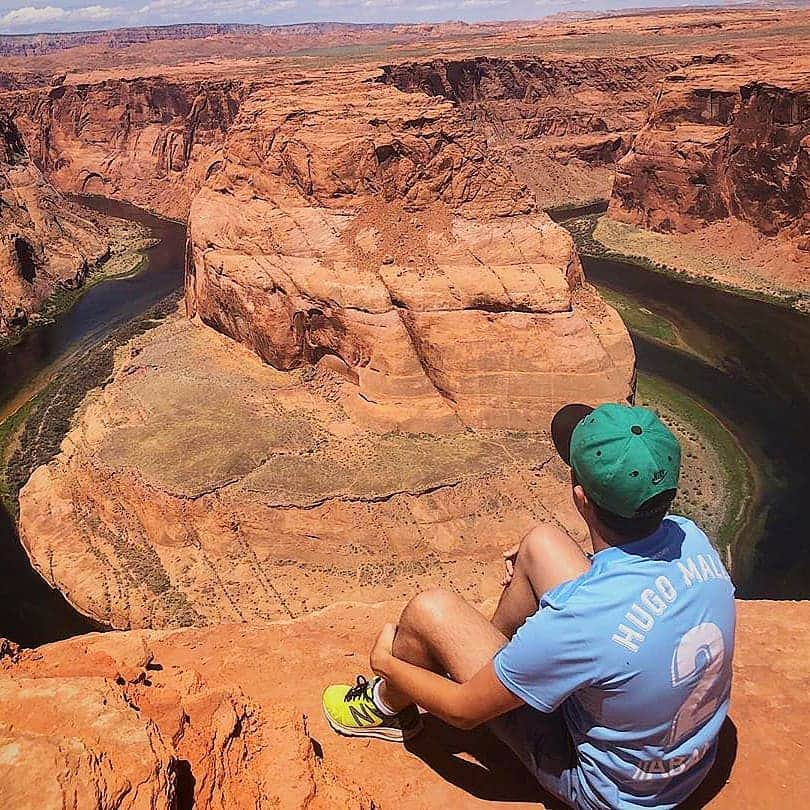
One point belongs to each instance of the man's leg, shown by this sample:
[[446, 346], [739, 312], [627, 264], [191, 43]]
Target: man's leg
[[547, 557], [438, 630]]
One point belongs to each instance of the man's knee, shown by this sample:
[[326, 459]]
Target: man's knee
[[541, 543], [547, 557], [430, 608]]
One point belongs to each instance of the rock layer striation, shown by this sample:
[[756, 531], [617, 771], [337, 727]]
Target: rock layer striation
[[561, 124], [149, 141], [201, 485], [372, 228]]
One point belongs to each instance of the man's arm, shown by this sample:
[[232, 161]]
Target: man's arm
[[463, 705]]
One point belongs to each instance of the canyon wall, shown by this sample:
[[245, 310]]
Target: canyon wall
[[531, 97], [45, 241], [147, 141], [561, 124], [723, 141]]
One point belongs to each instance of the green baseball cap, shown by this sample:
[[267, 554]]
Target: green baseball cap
[[622, 455]]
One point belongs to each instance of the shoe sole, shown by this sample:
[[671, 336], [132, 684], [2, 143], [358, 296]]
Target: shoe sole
[[380, 733]]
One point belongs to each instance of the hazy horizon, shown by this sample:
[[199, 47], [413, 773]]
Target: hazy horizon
[[25, 17]]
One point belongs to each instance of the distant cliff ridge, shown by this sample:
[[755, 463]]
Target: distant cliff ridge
[[723, 141], [38, 44]]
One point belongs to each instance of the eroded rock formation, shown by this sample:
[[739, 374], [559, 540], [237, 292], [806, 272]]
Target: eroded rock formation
[[417, 320], [230, 717], [374, 227], [730, 140], [117, 727], [560, 123], [535, 97], [149, 141], [45, 241]]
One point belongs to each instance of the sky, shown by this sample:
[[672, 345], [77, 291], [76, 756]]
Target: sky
[[28, 16]]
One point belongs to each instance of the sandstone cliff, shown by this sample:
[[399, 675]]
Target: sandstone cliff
[[45, 242], [230, 718], [560, 123], [531, 97], [373, 227], [147, 141], [720, 141]]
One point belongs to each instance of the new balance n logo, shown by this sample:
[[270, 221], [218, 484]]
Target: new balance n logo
[[365, 714]]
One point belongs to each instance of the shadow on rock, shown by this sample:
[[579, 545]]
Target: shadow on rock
[[478, 763]]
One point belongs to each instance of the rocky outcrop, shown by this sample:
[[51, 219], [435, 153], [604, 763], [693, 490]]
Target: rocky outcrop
[[374, 228], [561, 124], [201, 485], [148, 141], [730, 141], [229, 717], [109, 724], [532, 97], [45, 241]]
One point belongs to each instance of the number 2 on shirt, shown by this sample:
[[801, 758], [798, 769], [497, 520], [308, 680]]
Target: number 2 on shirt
[[701, 650]]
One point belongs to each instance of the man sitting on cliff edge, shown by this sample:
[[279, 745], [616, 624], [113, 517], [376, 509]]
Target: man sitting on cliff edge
[[608, 677]]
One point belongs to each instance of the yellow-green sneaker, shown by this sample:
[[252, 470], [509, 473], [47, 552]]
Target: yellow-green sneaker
[[351, 711]]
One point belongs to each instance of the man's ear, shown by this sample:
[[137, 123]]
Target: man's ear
[[581, 501], [584, 506]]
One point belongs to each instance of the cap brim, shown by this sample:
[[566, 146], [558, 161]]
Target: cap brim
[[562, 427]]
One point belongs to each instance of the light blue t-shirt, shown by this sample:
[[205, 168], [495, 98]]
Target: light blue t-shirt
[[637, 651]]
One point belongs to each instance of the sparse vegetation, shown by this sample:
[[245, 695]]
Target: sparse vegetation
[[717, 483], [639, 319], [32, 436], [582, 230], [125, 259]]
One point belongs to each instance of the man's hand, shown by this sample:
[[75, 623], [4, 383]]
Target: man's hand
[[382, 652], [509, 557]]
